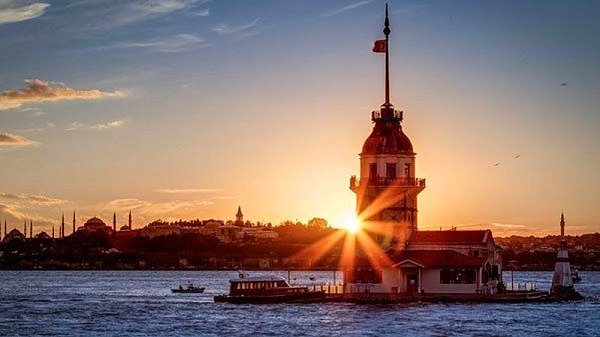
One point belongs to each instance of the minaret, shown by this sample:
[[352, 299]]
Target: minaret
[[114, 222], [4, 227], [239, 217], [562, 224], [25, 229], [53, 231], [130, 222], [61, 230], [31, 229], [73, 222], [386, 191]]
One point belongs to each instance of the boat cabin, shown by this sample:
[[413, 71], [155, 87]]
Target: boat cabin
[[262, 285]]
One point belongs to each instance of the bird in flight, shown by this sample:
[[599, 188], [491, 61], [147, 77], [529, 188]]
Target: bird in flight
[[564, 84], [517, 156], [496, 164]]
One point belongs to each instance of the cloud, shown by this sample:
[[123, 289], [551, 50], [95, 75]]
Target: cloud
[[11, 15], [14, 213], [74, 126], [170, 44], [228, 30], [108, 125], [227, 197], [153, 210], [347, 8], [163, 6], [202, 12], [129, 12], [34, 199], [7, 139], [188, 190], [37, 91]]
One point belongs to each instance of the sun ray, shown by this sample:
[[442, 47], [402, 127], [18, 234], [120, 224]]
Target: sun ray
[[317, 250], [348, 252], [375, 254], [388, 197]]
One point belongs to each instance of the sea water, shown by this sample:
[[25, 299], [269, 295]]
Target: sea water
[[140, 303]]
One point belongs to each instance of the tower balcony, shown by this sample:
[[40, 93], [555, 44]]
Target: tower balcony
[[387, 182], [387, 113]]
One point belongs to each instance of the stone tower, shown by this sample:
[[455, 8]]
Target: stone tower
[[387, 188]]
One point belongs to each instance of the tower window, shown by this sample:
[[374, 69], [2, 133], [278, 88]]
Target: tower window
[[390, 171], [407, 170], [373, 171]]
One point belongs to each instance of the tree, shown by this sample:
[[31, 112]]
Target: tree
[[318, 223]]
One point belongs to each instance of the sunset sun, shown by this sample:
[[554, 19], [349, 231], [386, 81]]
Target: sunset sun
[[350, 223]]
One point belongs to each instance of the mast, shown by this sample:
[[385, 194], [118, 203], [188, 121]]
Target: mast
[[387, 31]]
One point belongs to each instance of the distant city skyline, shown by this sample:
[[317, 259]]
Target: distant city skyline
[[186, 109]]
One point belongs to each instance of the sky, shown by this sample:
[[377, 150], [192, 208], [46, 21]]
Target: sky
[[185, 109]]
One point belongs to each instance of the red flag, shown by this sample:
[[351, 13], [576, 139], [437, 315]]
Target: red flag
[[380, 46]]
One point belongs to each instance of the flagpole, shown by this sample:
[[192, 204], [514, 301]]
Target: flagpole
[[386, 31]]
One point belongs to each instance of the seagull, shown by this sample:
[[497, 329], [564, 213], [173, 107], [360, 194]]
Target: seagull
[[517, 156], [564, 84], [496, 164]]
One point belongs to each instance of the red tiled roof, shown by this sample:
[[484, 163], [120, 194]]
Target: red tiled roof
[[387, 140], [437, 258], [450, 237]]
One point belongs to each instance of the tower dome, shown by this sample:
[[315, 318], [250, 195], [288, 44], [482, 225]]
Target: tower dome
[[387, 140]]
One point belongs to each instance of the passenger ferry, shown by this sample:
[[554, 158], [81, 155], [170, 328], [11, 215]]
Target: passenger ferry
[[267, 289]]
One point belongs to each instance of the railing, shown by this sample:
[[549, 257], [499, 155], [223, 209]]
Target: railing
[[527, 286], [379, 181], [327, 288], [388, 113]]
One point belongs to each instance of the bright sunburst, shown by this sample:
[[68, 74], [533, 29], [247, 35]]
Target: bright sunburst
[[350, 223]]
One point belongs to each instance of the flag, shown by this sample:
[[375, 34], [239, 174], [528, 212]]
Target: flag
[[380, 46]]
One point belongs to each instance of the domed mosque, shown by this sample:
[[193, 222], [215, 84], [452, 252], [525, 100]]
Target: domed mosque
[[95, 224]]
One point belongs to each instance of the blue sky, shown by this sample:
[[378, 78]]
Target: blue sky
[[185, 109]]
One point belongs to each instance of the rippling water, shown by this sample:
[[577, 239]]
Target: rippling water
[[139, 303]]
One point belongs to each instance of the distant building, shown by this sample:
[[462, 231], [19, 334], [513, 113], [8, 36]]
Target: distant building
[[14, 234], [43, 235], [239, 217], [159, 229], [127, 227], [260, 234], [94, 225]]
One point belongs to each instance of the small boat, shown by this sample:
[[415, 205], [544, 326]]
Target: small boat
[[268, 289], [575, 276], [190, 288]]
